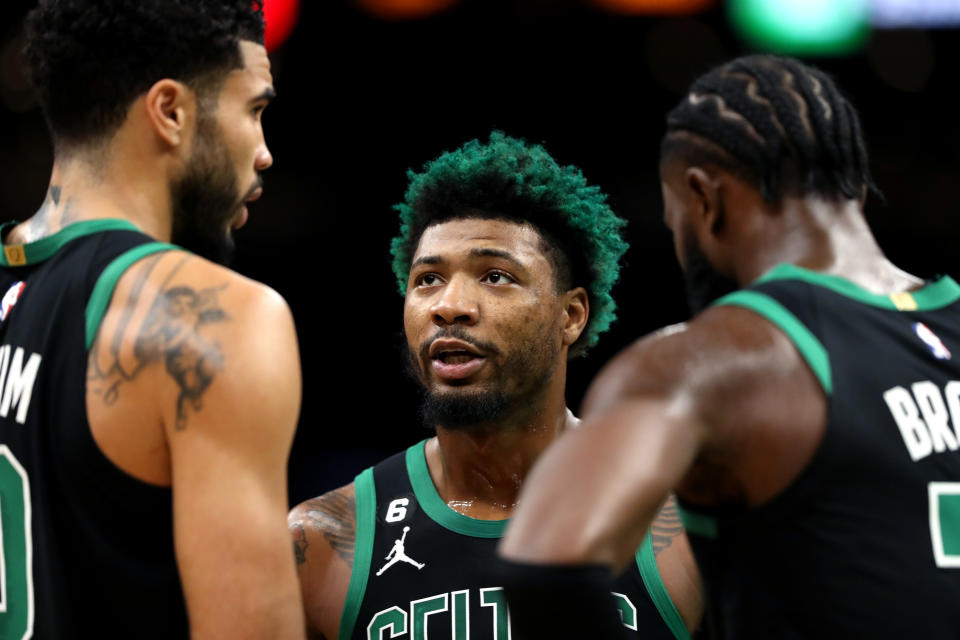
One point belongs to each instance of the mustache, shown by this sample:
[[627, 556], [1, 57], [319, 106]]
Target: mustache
[[456, 332]]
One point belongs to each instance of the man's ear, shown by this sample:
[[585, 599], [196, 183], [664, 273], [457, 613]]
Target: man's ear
[[708, 209], [576, 313], [171, 110]]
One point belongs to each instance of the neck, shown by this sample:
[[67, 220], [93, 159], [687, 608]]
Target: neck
[[85, 188], [822, 235], [479, 470]]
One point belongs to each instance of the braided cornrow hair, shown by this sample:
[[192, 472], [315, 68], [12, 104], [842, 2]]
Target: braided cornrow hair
[[777, 123]]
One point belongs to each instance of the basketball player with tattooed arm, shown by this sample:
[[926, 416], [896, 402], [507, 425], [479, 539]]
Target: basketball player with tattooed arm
[[808, 421], [149, 395], [506, 260]]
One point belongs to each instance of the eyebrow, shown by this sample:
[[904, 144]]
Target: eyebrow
[[474, 253], [267, 94], [493, 253]]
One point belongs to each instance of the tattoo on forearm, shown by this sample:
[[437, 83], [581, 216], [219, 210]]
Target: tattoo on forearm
[[169, 334], [666, 526], [335, 515]]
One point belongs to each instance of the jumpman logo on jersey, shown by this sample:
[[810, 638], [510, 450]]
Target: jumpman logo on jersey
[[397, 555]]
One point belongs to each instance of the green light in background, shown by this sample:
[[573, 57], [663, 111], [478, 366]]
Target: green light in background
[[802, 27]]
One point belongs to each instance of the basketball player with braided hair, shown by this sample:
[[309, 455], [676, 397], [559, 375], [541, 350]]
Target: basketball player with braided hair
[[807, 417]]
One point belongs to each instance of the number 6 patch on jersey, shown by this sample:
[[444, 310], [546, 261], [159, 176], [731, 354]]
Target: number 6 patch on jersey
[[398, 509], [945, 523]]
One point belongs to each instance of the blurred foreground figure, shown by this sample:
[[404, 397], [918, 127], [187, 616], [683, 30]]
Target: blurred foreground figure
[[149, 396], [808, 423], [506, 260]]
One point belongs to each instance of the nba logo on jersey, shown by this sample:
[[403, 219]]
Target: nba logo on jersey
[[10, 298], [937, 348]]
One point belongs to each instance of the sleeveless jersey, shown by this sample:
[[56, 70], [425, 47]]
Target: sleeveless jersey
[[423, 570], [865, 543], [86, 550]]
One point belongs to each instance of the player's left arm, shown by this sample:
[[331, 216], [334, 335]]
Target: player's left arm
[[230, 399], [675, 562]]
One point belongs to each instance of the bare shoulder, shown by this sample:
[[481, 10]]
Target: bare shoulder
[[185, 344], [742, 381], [324, 530], [330, 519], [177, 323]]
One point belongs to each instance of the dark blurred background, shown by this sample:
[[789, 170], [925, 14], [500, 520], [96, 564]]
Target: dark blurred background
[[370, 88]]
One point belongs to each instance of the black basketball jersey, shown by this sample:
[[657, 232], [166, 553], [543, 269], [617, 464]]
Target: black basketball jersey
[[422, 569], [866, 542], [86, 550]]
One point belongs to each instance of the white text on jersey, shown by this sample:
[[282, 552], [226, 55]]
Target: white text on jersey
[[16, 381], [924, 416]]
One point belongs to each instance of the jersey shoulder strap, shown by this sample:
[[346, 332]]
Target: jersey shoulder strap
[[365, 497], [788, 304], [650, 573]]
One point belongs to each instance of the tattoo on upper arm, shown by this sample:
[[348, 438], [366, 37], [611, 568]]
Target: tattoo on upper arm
[[666, 526], [334, 514], [169, 334], [300, 543]]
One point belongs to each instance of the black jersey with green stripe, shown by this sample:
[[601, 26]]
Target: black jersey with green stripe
[[423, 570], [86, 550], [865, 542]]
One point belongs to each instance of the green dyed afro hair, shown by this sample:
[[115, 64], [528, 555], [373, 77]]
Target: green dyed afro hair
[[508, 179]]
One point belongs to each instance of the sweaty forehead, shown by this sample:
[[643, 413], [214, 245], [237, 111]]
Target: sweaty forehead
[[455, 238]]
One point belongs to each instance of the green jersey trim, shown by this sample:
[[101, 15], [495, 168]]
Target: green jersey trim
[[806, 343], [935, 295], [22, 255], [647, 564], [698, 523], [107, 282], [365, 493], [438, 510]]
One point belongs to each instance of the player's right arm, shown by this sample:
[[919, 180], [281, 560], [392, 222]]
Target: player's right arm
[[725, 411], [324, 532], [194, 383]]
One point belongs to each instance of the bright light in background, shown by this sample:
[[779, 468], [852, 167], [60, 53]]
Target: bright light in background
[[659, 7], [915, 13], [281, 17], [802, 27], [404, 9]]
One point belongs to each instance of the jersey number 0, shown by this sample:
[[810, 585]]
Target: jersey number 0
[[16, 550]]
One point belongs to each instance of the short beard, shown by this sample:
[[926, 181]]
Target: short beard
[[206, 197], [460, 410], [703, 284]]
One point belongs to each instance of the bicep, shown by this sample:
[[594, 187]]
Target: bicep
[[230, 409], [323, 531]]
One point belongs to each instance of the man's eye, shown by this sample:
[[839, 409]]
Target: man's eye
[[427, 280], [498, 277]]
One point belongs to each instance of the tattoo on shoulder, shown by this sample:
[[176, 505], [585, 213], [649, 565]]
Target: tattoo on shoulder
[[666, 526], [170, 334], [334, 514]]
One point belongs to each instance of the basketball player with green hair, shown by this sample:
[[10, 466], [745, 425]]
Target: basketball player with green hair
[[506, 260]]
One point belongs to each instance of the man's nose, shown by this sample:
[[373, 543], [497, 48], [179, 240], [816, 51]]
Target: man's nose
[[457, 303]]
